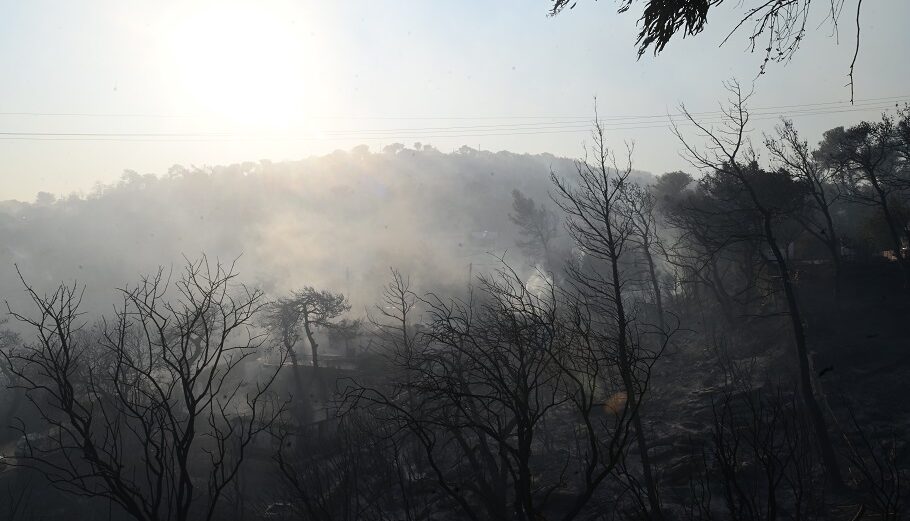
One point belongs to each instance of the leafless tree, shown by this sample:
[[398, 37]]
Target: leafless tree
[[394, 320], [793, 154], [601, 225], [759, 460], [152, 409], [762, 457], [361, 473], [473, 391], [12, 397], [364, 471], [765, 200], [876, 470], [702, 258], [641, 205]]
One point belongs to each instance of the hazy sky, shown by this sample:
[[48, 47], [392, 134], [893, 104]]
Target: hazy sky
[[213, 82]]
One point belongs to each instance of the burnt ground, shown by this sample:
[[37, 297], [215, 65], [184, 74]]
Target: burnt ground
[[860, 347]]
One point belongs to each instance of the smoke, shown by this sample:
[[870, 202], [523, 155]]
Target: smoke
[[539, 284], [336, 222]]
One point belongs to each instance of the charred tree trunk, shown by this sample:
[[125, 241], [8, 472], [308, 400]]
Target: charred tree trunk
[[314, 347], [832, 468], [626, 369], [655, 287], [321, 390]]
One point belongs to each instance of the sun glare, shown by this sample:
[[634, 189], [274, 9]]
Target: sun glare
[[244, 63]]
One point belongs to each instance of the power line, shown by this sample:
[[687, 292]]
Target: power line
[[607, 121], [95, 115], [439, 118], [470, 131]]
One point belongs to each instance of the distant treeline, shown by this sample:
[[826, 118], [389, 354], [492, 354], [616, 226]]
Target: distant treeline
[[338, 221]]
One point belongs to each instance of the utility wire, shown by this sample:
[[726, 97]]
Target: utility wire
[[469, 131], [440, 118]]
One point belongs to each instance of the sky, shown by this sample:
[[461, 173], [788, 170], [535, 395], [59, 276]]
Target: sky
[[91, 89]]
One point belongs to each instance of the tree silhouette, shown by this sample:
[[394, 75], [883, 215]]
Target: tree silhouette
[[756, 204], [778, 27], [149, 410], [318, 309], [537, 227]]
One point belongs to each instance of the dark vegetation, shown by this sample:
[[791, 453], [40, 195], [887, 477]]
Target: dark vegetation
[[728, 343], [774, 28]]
